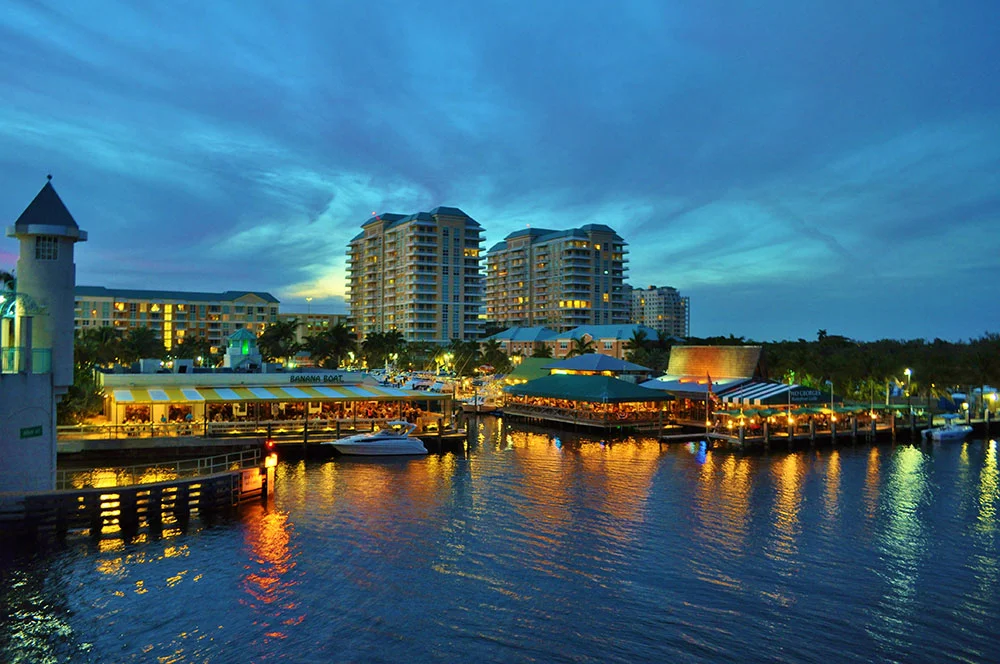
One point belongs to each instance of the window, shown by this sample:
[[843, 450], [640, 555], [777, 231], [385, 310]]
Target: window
[[46, 248]]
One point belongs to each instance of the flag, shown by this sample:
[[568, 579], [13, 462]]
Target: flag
[[711, 394]]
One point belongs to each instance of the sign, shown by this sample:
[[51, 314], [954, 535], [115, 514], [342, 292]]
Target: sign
[[807, 395], [316, 378], [31, 432]]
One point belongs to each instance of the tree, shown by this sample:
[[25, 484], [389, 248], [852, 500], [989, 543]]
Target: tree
[[329, 347], [636, 346], [277, 341], [581, 346], [98, 346], [140, 343], [191, 348], [492, 354], [83, 399], [541, 350]]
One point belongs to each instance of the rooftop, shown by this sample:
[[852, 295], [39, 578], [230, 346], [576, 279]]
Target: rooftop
[[185, 296]]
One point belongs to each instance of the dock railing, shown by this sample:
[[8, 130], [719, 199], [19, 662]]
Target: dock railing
[[118, 476]]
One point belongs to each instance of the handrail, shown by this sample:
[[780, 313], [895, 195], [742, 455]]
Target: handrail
[[159, 472], [277, 428]]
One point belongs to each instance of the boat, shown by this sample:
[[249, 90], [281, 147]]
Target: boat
[[393, 440], [949, 430], [479, 405]]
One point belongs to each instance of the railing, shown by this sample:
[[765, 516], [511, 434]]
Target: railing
[[160, 472], [623, 418], [238, 429], [15, 360]]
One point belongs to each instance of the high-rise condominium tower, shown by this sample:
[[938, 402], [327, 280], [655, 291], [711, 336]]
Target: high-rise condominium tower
[[418, 274], [560, 279]]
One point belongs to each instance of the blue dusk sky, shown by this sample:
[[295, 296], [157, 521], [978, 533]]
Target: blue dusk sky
[[789, 165]]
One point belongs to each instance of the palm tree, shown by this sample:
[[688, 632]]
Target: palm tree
[[492, 354], [582, 346], [541, 350], [139, 343], [192, 348], [278, 340], [329, 347], [98, 346], [635, 347]]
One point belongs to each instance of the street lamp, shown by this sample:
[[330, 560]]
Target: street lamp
[[909, 401]]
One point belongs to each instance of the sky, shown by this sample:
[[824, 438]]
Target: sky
[[790, 166]]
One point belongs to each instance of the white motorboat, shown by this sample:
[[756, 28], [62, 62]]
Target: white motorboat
[[479, 404], [393, 440], [949, 430]]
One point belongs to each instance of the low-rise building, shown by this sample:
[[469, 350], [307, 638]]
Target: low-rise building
[[175, 315]]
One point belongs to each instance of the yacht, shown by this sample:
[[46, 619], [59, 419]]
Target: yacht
[[394, 439], [949, 430]]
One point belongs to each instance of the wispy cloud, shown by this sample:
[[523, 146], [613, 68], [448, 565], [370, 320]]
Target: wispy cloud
[[747, 153]]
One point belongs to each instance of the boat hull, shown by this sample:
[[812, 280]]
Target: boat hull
[[948, 433], [362, 448]]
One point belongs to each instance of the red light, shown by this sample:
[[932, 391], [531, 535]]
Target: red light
[[269, 444]]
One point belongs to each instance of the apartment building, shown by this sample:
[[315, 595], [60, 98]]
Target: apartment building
[[662, 308], [418, 274], [175, 315], [558, 279]]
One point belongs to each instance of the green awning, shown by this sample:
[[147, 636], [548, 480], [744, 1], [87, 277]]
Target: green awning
[[594, 389], [530, 368]]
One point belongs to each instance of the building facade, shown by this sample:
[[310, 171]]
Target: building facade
[[418, 274], [662, 308], [313, 323], [558, 279], [175, 315]]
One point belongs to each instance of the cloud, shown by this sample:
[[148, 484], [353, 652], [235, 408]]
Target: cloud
[[746, 152]]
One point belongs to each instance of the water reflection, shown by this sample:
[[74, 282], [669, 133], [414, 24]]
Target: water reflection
[[619, 550], [901, 539], [831, 494], [788, 475]]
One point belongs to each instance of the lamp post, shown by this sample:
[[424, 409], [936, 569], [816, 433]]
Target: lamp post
[[908, 372]]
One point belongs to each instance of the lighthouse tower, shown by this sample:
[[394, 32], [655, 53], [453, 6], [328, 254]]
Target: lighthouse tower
[[46, 274], [36, 343]]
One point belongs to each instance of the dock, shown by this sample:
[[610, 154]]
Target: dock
[[156, 508]]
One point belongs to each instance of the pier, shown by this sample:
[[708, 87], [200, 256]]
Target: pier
[[217, 486]]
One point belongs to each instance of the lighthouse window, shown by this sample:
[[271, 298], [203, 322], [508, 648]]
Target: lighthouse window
[[46, 248]]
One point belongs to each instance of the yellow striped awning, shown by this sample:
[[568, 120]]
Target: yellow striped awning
[[292, 393]]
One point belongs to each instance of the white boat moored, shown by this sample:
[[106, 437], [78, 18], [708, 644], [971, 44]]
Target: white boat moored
[[949, 430], [393, 440]]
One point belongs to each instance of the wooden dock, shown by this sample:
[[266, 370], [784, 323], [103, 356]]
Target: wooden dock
[[913, 432], [124, 511]]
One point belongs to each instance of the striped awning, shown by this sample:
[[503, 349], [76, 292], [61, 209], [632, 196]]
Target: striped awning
[[270, 393], [770, 393]]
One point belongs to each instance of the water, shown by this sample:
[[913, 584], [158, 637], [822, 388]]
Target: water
[[544, 549]]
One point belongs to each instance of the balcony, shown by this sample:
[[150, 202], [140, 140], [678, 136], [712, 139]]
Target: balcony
[[17, 360]]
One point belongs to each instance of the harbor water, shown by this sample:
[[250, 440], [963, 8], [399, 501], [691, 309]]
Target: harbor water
[[542, 547]]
